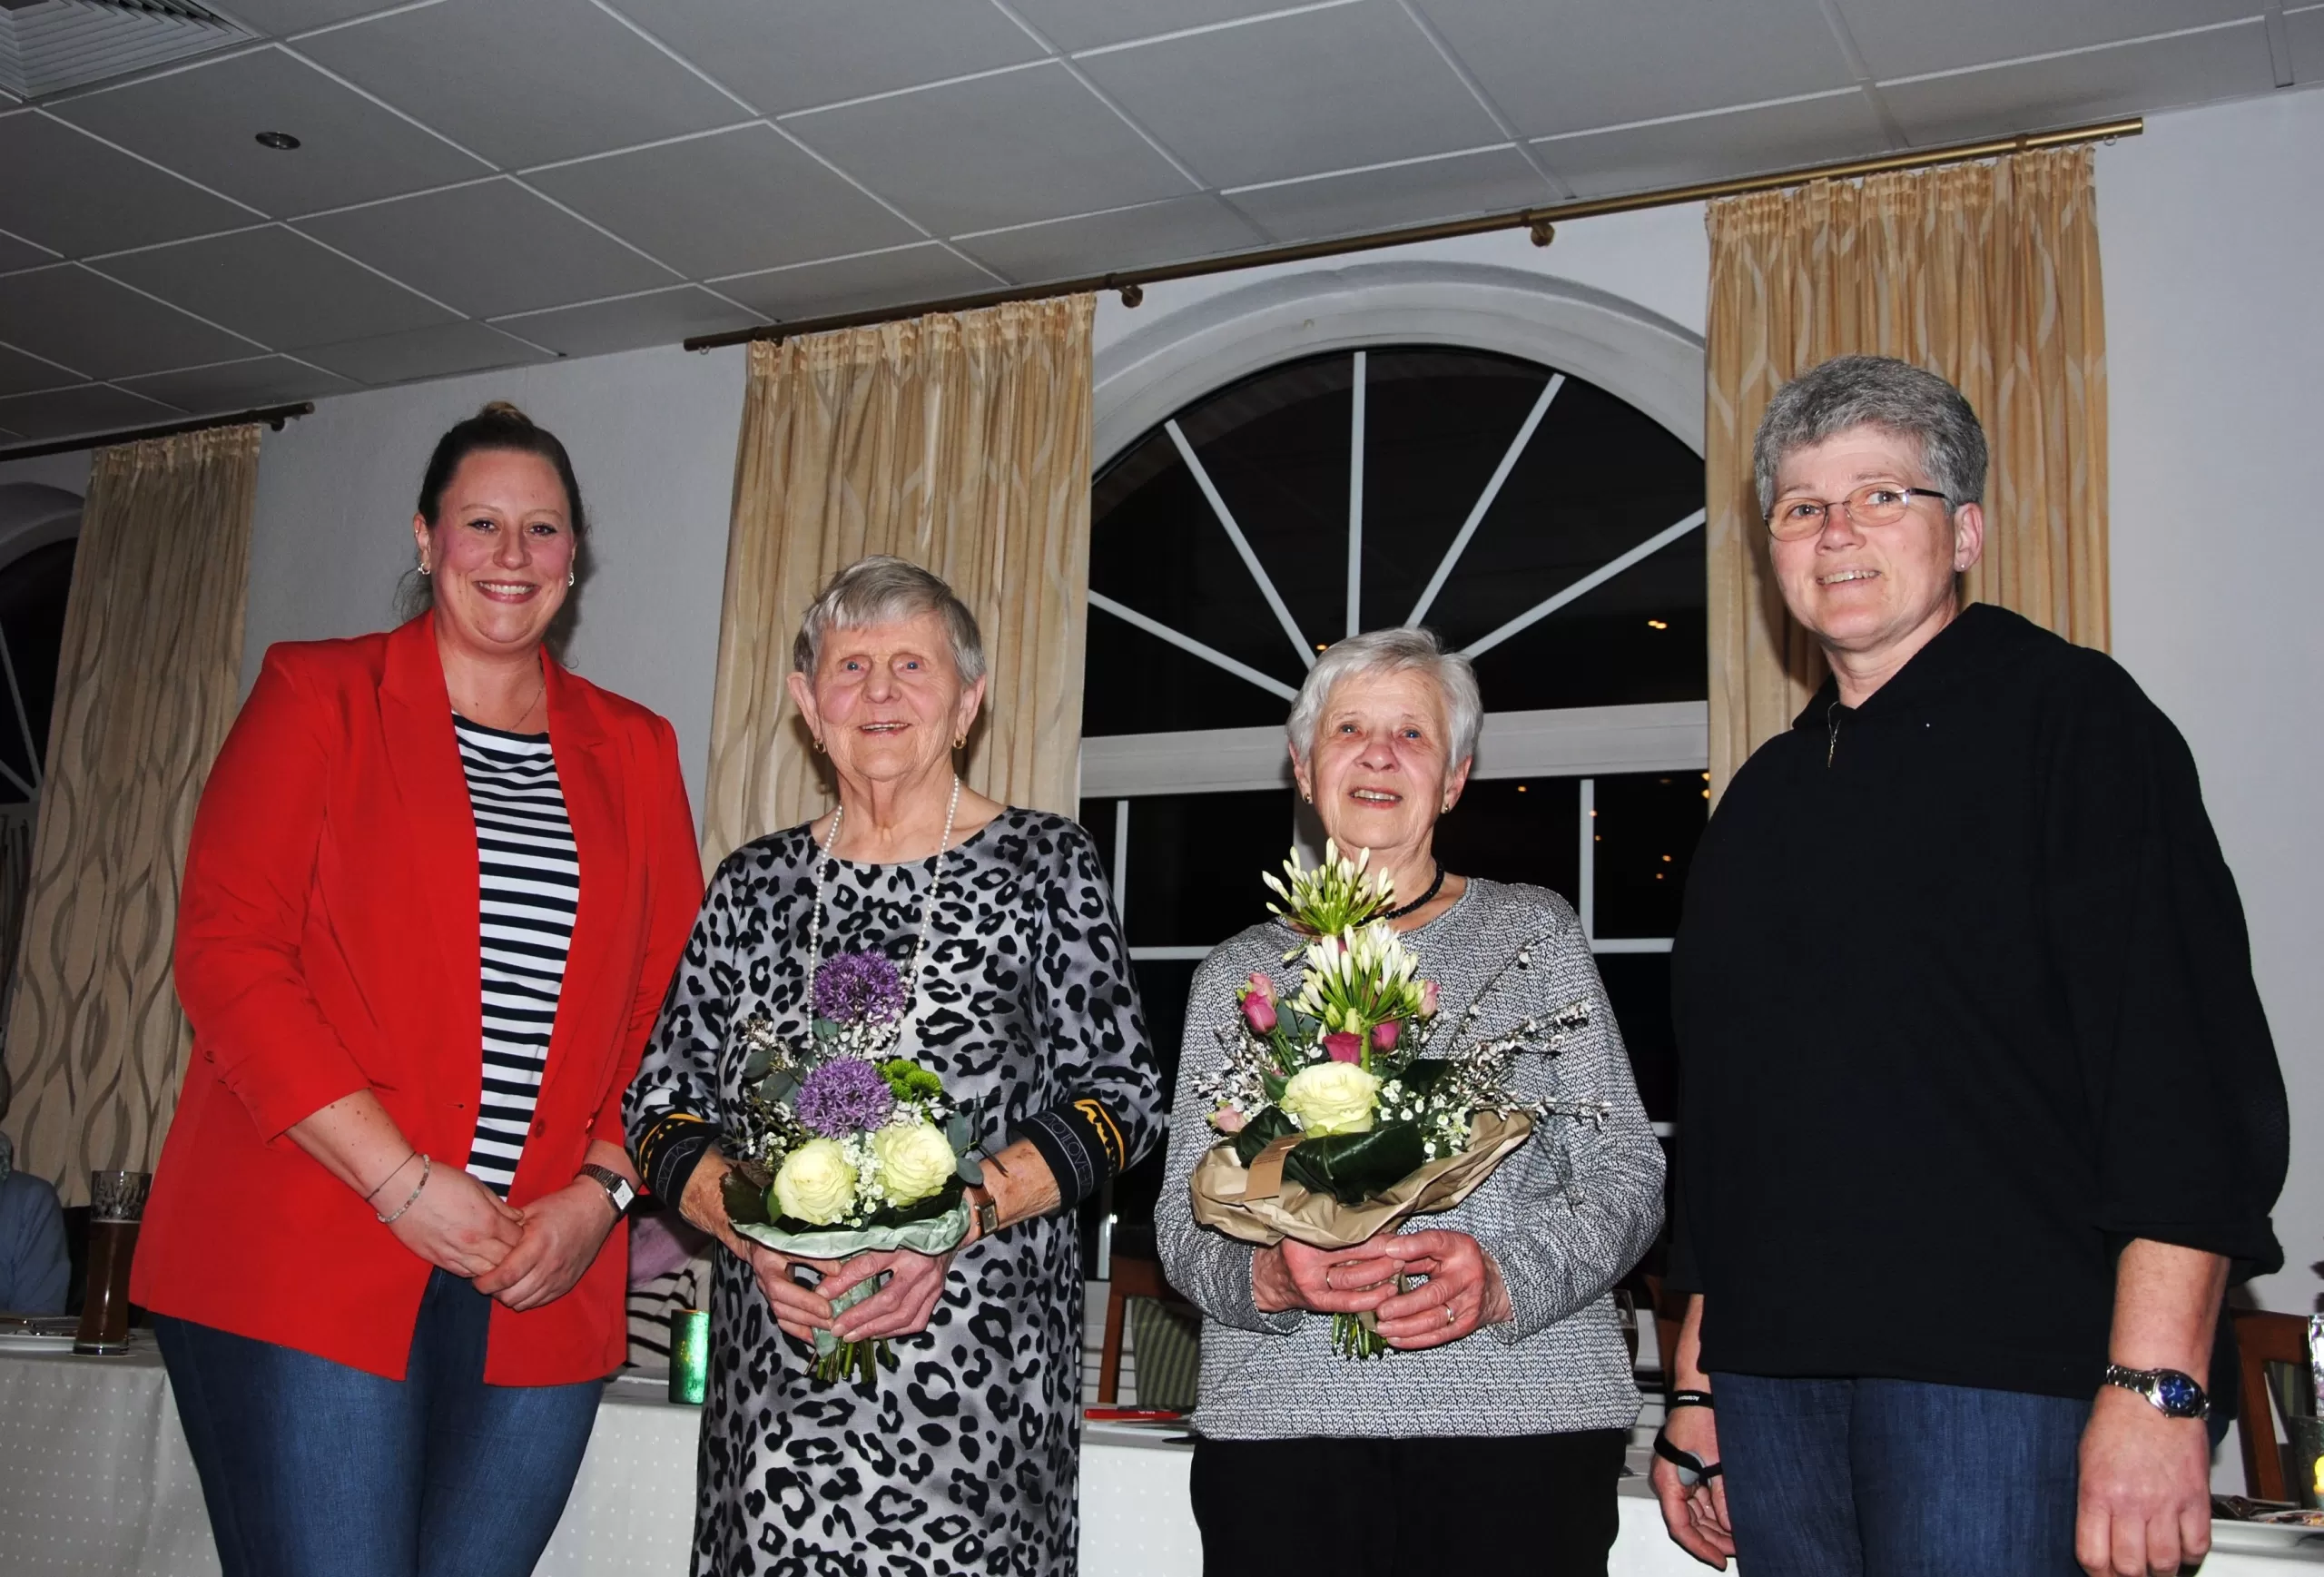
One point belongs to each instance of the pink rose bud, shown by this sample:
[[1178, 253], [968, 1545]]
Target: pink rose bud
[[1259, 1012], [1428, 998], [1343, 1047], [1259, 985], [1226, 1119], [1383, 1036]]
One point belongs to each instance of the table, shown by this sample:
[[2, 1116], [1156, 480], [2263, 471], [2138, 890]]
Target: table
[[95, 1482]]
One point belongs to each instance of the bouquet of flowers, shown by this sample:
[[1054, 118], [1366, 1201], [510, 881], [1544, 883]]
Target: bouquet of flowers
[[1337, 1123], [841, 1148]]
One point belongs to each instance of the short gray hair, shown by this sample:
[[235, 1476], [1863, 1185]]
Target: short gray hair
[[1406, 648], [885, 590], [1896, 397]]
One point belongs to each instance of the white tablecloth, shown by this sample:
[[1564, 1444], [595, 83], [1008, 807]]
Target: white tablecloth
[[95, 1482]]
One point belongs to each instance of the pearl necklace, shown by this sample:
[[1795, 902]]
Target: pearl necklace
[[927, 909]]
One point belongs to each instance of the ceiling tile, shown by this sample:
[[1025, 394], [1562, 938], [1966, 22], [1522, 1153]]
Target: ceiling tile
[[998, 150], [279, 288], [1466, 183], [23, 374], [1910, 37], [239, 385], [2126, 79], [1572, 65], [658, 318], [857, 285], [2306, 30], [489, 248], [436, 353], [21, 254], [1127, 238], [71, 193], [1296, 94], [92, 407], [1751, 141], [746, 198], [820, 52], [69, 315], [1091, 23], [523, 82], [282, 16], [202, 123]]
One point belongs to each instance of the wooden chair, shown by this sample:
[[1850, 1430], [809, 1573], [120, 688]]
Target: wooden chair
[[2260, 1339], [1131, 1278]]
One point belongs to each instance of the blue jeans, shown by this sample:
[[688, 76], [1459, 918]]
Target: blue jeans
[[1894, 1478], [311, 1467]]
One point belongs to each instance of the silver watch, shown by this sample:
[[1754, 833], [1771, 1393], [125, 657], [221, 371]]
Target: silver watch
[[2174, 1394], [618, 1189]]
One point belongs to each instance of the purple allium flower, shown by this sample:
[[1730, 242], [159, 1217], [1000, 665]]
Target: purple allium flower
[[859, 988], [843, 1096]]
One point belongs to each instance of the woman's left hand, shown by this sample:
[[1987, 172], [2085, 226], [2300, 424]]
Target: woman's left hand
[[563, 1232], [1462, 1278], [902, 1308]]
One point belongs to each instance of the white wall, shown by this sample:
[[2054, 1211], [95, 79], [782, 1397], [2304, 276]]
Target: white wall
[[652, 435], [2213, 225]]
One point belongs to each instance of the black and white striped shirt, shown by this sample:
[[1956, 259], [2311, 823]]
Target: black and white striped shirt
[[529, 881]]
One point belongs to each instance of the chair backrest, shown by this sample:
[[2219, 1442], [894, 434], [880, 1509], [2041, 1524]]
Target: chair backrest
[[1127, 1278], [2262, 1338]]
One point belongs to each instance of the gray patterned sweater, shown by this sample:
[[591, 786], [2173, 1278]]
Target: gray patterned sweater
[[1564, 1217]]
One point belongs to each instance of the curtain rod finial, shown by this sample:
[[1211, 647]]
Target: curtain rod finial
[[1133, 295], [1544, 232]]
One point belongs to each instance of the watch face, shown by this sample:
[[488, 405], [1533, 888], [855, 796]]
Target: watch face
[[2180, 1395]]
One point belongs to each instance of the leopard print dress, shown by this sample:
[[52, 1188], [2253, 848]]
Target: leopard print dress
[[965, 1457]]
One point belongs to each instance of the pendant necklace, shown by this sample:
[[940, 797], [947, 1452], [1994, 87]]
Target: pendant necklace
[[826, 865]]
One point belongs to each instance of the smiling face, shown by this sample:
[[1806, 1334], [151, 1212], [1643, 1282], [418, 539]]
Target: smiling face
[[498, 552], [886, 700], [1874, 594], [1377, 770]]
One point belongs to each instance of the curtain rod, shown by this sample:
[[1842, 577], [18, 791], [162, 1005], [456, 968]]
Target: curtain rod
[[274, 416], [1542, 221]]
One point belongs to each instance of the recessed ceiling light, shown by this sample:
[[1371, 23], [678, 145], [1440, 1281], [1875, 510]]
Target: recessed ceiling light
[[1651, 623], [280, 142]]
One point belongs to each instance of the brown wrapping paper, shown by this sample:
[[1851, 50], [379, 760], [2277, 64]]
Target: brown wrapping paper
[[1265, 1210]]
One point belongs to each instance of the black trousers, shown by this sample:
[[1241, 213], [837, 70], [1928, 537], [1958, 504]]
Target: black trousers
[[1542, 1504]]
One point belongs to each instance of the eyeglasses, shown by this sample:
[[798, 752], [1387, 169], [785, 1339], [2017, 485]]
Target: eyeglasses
[[1797, 516]]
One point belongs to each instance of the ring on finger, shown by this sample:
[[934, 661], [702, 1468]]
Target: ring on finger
[[1452, 1315]]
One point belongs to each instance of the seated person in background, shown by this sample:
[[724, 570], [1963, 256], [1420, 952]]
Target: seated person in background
[[33, 1262], [669, 1269]]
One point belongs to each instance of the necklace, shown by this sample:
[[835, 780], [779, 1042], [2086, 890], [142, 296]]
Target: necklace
[[927, 909], [1423, 900], [516, 725]]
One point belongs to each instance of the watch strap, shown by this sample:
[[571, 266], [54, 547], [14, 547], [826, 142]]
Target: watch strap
[[619, 1190], [2173, 1393]]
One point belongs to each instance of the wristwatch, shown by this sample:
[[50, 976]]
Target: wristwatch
[[987, 1213], [619, 1189], [2174, 1394]]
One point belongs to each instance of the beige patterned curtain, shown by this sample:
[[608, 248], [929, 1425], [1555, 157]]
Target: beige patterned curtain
[[146, 685], [1986, 274], [960, 442]]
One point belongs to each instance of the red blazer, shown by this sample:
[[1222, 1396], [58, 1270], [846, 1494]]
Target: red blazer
[[328, 943]]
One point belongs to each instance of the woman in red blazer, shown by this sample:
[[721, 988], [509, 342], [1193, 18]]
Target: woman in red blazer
[[435, 891]]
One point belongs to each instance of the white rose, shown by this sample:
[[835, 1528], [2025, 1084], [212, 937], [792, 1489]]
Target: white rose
[[816, 1183], [1331, 1098], [913, 1161]]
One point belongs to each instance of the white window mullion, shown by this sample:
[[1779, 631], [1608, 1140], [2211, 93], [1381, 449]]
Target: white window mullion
[[1587, 878]]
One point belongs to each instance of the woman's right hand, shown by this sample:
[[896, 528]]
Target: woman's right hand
[[1291, 1276], [456, 1223], [1695, 1514], [797, 1309]]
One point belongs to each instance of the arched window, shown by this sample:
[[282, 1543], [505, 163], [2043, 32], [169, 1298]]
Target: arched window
[[1534, 521]]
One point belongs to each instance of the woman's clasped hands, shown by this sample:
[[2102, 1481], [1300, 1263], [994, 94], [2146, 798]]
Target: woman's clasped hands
[[523, 1258], [1424, 1288]]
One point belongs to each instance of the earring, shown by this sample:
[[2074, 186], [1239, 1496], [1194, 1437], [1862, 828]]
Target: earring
[[819, 744], [423, 567], [571, 577], [961, 742]]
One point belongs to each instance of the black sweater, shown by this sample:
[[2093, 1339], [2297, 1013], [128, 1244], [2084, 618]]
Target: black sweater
[[1965, 1003]]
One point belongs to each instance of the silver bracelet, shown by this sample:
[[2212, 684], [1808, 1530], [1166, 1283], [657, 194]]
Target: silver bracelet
[[426, 1167], [391, 1178]]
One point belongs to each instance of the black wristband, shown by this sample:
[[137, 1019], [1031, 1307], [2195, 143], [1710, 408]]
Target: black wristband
[[1686, 1399], [667, 1152]]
